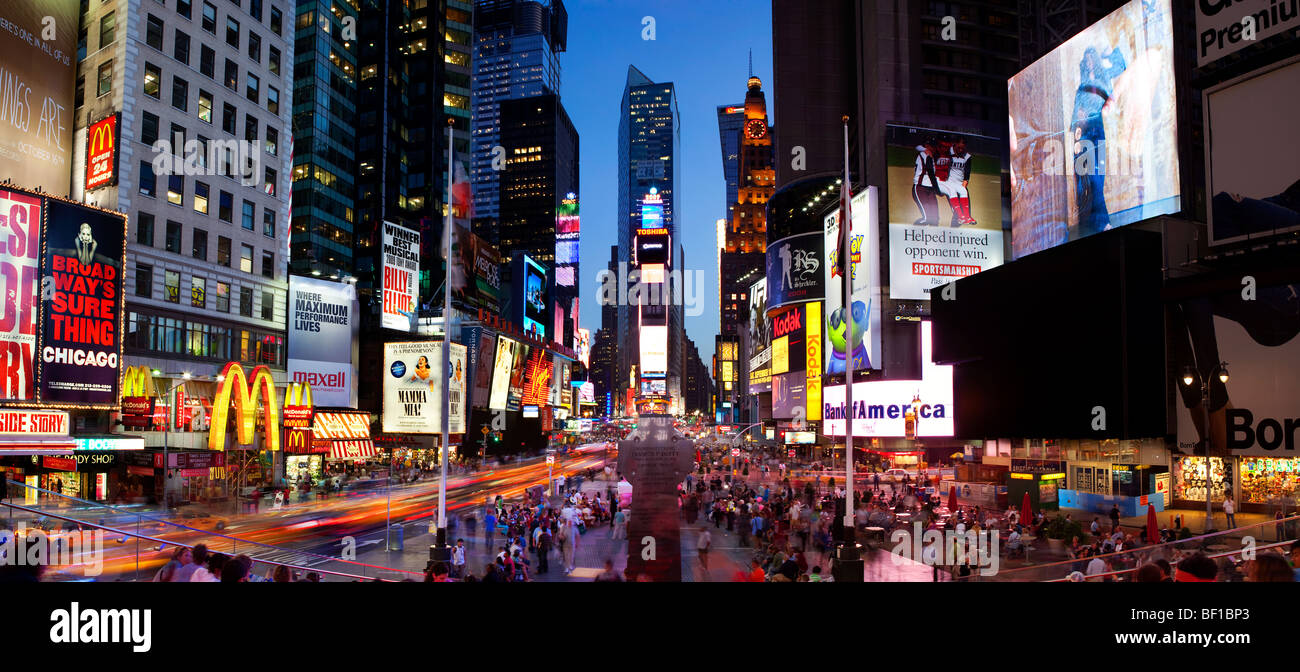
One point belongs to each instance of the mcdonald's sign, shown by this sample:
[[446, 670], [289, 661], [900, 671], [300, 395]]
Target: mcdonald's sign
[[138, 397], [298, 407], [101, 153], [247, 391], [298, 441]]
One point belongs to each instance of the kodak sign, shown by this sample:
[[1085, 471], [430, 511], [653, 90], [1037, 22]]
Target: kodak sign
[[101, 153], [245, 392]]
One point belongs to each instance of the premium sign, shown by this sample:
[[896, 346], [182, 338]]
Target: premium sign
[[401, 267], [33, 423], [323, 332], [414, 384], [101, 153], [38, 63], [864, 249], [247, 392], [20, 254], [1222, 25], [880, 409], [82, 306]]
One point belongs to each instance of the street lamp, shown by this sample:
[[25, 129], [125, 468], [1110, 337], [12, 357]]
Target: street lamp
[[171, 410], [1189, 377]]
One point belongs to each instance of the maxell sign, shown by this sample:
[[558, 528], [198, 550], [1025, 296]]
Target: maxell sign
[[322, 337], [1226, 26]]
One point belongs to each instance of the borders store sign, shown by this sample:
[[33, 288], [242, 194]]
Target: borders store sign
[[880, 408]]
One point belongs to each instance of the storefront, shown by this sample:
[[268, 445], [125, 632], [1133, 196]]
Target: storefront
[[1259, 484], [344, 437], [1190, 480], [1269, 481], [1041, 479], [298, 468]]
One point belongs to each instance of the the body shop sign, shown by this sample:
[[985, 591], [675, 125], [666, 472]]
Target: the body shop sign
[[880, 408], [101, 153]]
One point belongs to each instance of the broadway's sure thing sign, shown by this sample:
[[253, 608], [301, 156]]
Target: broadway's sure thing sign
[[20, 254], [81, 292], [401, 259], [413, 388], [323, 327]]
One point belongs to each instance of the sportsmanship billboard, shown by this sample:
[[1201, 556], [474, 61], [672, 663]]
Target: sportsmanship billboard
[[1250, 197], [414, 384], [81, 305], [794, 270], [401, 268], [20, 264], [1093, 131], [503, 363], [880, 409], [866, 287], [38, 62], [945, 208], [323, 333]]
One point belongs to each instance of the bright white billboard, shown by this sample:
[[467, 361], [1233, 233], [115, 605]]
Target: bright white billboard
[[323, 328], [414, 384], [866, 287], [880, 408], [654, 350], [401, 269], [501, 368]]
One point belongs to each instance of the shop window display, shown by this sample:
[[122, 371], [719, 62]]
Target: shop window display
[[1268, 480], [1189, 478]]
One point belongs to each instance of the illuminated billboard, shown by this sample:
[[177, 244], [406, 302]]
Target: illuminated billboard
[[652, 249], [503, 364], [534, 297], [945, 208], [415, 385], [1093, 131], [566, 251], [323, 330], [19, 281], [652, 210], [518, 367], [538, 373], [881, 409], [864, 248], [654, 351], [795, 270], [760, 328], [401, 270], [38, 63], [101, 153], [566, 215], [1251, 197]]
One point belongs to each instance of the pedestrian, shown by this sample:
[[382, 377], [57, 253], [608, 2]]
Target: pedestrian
[[703, 545], [458, 559], [544, 548], [489, 528], [200, 559], [1114, 518], [609, 574], [1230, 510]]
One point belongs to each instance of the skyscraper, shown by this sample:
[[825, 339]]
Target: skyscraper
[[731, 118], [516, 55]]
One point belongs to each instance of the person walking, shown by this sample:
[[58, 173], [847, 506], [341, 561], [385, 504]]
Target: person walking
[[620, 526], [1230, 510], [458, 560], [702, 546], [1114, 518], [489, 528]]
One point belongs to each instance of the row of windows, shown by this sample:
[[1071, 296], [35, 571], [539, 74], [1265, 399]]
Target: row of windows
[[155, 333], [145, 234], [198, 292], [201, 150], [202, 191], [180, 87]]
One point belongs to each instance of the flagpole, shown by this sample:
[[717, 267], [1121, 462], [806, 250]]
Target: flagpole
[[446, 347], [846, 256]]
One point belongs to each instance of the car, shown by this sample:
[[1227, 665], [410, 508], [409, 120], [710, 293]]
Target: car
[[897, 475]]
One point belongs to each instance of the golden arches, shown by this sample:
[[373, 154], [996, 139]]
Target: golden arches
[[247, 391]]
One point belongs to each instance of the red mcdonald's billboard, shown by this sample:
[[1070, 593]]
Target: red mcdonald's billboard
[[101, 153]]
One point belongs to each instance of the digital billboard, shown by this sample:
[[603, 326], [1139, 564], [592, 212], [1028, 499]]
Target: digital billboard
[[535, 296], [1094, 132], [567, 216], [483, 366], [401, 270], [760, 328], [880, 409], [1250, 196], [539, 371], [503, 363], [20, 263], [654, 351], [414, 384], [945, 208], [794, 270], [38, 63], [652, 248], [582, 345], [518, 368], [566, 252], [652, 210], [864, 249], [476, 282], [323, 331], [81, 307]]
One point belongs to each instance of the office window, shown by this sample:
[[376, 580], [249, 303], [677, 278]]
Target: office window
[[268, 304], [172, 286], [254, 47], [228, 118], [248, 215], [105, 77], [232, 32], [273, 100], [205, 106], [180, 94], [201, 191], [183, 8], [246, 258], [153, 32], [207, 61], [273, 62], [272, 141], [277, 19], [250, 128], [148, 128], [270, 182], [268, 263], [253, 91], [232, 75], [198, 292], [255, 8], [175, 189], [148, 181], [209, 18], [173, 236], [200, 245], [223, 297], [83, 36], [181, 50], [268, 222], [152, 80], [144, 229], [223, 251], [246, 301], [203, 154], [144, 281], [107, 29], [178, 140], [226, 207]]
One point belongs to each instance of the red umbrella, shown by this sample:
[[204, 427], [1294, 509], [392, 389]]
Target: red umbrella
[[1153, 529], [1025, 516], [952, 498]]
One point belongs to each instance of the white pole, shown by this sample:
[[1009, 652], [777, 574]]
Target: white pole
[[846, 257], [446, 342]]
